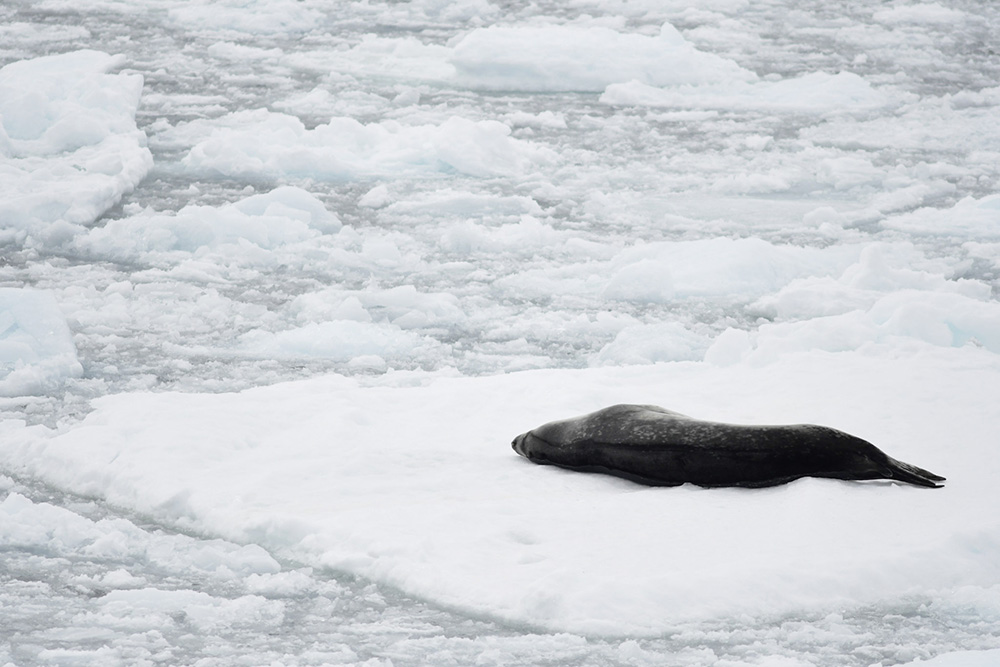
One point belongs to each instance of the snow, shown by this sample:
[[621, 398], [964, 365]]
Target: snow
[[394, 483], [280, 281]]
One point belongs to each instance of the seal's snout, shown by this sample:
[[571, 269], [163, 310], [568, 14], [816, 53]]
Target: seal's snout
[[518, 444]]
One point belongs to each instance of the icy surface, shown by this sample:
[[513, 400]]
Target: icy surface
[[36, 346], [557, 58], [393, 483], [69, 143], [279, 282]]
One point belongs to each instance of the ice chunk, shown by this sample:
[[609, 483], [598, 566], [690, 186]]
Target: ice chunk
[[253, 16], [17, 33], [580, 58], [986, 658], [937, 318], [880, 270], [930, 13], [269, 145], [406, 59], [292, 203], [377, 197], [874, 301], [817, 92], [403, 306], [464, 205], [524, 237], [719, 267], [205, 613], [282, 216], [338, 340], [975, 219], [651, 343], [964, 123], [67, 129], [36, 346], [57, 104]]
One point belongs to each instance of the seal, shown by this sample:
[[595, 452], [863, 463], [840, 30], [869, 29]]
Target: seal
[[651, 445]]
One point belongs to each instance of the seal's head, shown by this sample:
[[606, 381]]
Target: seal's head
[[520, 444], [531, 447]]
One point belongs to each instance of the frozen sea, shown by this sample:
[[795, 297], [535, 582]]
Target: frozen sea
[[281, 279]]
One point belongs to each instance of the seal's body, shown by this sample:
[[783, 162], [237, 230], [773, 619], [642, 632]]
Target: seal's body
[[651, 445]]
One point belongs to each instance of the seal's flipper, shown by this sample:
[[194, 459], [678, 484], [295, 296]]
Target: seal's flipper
[[904, 472]]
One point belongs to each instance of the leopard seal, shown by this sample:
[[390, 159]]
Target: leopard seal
[[651, 445]]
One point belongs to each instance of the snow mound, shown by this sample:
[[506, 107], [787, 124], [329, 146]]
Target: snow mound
[[36, 347], [579, 58], [69, 142]]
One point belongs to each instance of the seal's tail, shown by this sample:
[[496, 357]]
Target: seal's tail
[[904, 472]]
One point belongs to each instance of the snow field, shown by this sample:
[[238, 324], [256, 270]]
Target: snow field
[[415, 485]]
